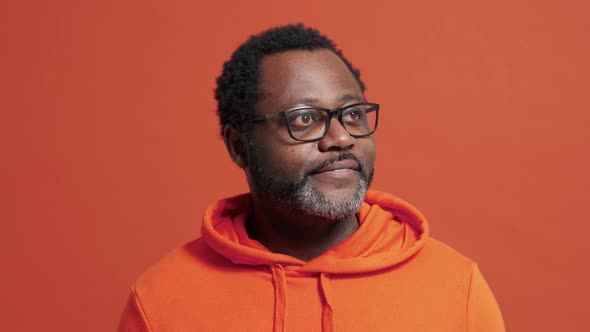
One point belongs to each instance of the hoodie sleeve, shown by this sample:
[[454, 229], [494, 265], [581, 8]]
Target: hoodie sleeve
[[134, 319], [483, 313]]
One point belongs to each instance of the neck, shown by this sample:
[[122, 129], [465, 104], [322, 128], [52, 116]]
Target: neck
[[284, 231]]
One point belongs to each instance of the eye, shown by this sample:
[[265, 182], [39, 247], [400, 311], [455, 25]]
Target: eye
[[353, 115], [303, 119]]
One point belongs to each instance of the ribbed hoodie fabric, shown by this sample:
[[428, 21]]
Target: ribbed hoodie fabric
[[389, 275]]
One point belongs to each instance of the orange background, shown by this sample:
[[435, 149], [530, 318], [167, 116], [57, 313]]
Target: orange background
[[110, 147]]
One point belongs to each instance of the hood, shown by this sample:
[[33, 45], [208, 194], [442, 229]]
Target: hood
[[390, 232]]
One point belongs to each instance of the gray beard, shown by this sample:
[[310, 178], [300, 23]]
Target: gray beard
[[303, 198]]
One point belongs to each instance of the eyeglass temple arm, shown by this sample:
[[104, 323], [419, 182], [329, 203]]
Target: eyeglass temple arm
[[261, 117]]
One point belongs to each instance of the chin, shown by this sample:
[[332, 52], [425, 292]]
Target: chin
[[331, 205]]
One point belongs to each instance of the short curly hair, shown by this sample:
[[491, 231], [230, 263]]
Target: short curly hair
[[237, 86]]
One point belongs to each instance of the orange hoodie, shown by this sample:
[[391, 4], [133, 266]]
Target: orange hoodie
[[388, 276]]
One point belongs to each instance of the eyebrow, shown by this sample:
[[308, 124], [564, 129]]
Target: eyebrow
[[312, 100], [348, 97]]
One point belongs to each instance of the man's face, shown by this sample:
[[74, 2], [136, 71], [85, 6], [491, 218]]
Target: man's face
[[326, 178]]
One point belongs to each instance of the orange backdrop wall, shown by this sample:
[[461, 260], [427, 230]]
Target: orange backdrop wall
[[110, 147]]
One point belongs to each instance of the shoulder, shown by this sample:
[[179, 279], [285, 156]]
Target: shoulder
[[190, 278], [436, 247], [184, 263], [440, 257], [188, 271]]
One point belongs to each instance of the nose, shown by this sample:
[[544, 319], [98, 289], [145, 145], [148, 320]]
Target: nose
[[337, 138]]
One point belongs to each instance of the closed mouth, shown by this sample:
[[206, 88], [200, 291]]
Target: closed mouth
[[339, 166]]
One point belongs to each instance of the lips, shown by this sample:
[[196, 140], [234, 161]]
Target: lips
[[341, 165]]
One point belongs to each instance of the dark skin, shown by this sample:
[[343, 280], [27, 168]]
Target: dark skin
[[287, 80]]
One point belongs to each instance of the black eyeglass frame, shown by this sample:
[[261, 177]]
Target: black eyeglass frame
[[331, 113]]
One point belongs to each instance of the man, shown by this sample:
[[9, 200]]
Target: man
[[309, 248]]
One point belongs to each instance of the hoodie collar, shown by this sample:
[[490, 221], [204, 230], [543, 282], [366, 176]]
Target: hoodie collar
[[390, 232]]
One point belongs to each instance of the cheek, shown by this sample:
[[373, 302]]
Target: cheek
[[289, 162], [279, 160], [368, 154]]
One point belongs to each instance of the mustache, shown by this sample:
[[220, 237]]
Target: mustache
[[340, 157]]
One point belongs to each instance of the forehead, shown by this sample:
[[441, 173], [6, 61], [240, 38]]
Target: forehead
[[291, 78]]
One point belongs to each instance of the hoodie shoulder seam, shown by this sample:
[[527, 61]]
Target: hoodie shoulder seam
[[467, 299], [140, 307]]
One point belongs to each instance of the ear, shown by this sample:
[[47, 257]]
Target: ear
[[236, 145]]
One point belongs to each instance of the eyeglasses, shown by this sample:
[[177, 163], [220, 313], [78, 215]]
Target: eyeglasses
[[311, 123]]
